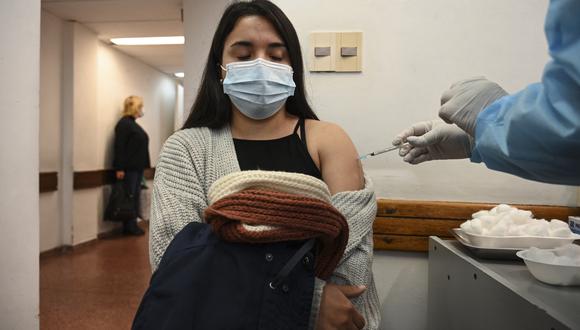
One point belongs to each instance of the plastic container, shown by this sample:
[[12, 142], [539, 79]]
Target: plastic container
[[574, 223], [550, 273], [518, 242], [486, 253]]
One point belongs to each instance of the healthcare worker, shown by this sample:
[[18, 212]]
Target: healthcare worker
[[534, 134]]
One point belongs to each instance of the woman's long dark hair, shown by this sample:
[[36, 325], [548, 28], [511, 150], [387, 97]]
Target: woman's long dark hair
[[212, 108]]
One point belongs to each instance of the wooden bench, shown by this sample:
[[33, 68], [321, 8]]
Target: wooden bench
[[405, 225]]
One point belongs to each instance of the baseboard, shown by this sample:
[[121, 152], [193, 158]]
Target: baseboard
[[55, 251], [59, 250], [66, 248]]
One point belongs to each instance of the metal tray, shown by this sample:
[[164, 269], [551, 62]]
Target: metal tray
[[486, 253], [519, 242]]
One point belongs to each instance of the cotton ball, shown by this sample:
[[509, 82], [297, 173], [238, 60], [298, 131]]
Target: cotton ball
[[538, 228], [476, 227], [564, 261], [561, 232], [532, 252], [500, 229], [466, 227], [515, 230], [520, 217], [480, 214], [540, 255], [569, 250], [502, 208], [543, 227], [525, 213], [488, 221], [559, 228], [505, 220], [555, 223], [502, 226]]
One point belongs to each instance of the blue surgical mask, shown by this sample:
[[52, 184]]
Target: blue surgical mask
[[258, 88]]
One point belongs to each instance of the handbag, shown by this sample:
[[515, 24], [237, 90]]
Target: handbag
[[121, 205]]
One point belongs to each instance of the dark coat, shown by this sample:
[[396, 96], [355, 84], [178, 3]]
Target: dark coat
[[205, 283], [131, 149]]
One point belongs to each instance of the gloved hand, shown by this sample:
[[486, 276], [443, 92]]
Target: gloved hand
[[465, 99], [430, 140]]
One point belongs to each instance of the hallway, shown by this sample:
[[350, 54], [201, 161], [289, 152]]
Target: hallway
[[97, 286]]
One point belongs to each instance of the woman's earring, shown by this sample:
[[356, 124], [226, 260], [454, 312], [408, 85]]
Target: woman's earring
[[222, 67]]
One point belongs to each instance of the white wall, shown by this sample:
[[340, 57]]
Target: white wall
[[200, 21], [86, 129], [84, 83], [180, 112], [50, 93], [19, 115], [50, 119]]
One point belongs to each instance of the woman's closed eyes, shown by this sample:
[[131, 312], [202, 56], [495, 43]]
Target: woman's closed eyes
[[246, 51]]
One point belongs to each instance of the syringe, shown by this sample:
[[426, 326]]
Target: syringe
[[378, 152]]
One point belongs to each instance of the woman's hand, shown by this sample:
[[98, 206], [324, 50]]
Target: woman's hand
[[336, 310], [120, 175]]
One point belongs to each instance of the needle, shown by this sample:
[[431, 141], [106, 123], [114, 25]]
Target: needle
[[378, 152]]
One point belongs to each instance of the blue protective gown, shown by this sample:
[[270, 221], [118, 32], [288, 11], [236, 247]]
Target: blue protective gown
[[535, 133]]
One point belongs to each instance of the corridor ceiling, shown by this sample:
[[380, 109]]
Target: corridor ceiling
[[129, 18]]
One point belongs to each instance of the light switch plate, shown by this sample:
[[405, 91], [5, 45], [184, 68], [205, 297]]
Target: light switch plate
[[335, 52], [322, 52], [350, 57]]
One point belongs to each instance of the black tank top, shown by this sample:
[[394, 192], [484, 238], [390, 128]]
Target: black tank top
[[288, 154]]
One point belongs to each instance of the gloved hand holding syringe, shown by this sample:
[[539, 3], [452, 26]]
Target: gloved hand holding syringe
[[382, 151], [430, 140]]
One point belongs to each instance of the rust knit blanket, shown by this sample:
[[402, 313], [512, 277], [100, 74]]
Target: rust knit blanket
[[266, 216]]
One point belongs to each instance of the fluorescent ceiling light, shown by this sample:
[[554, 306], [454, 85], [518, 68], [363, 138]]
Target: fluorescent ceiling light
[[179, 74], [176, 40]]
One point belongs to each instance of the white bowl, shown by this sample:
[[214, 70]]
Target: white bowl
[[550, 273], [518, 242]]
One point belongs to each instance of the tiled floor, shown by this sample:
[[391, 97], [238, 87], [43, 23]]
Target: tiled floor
[[98, 286]]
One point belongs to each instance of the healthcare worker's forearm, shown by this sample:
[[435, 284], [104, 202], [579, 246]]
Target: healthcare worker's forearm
[[526, 135], [522, 135], [535, 133]]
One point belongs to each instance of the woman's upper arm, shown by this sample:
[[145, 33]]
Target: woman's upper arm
[[341, 169], [178, 196]]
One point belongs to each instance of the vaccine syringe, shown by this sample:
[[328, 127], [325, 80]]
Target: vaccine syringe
[[378, 152]]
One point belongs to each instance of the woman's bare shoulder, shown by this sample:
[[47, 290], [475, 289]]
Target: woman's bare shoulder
[[325, 132], [339, 162]]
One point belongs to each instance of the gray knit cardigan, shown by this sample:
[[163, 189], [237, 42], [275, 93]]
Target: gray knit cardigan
[[192, 159]]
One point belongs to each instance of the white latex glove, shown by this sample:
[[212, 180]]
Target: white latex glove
[[430, 140], [465, 99]]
